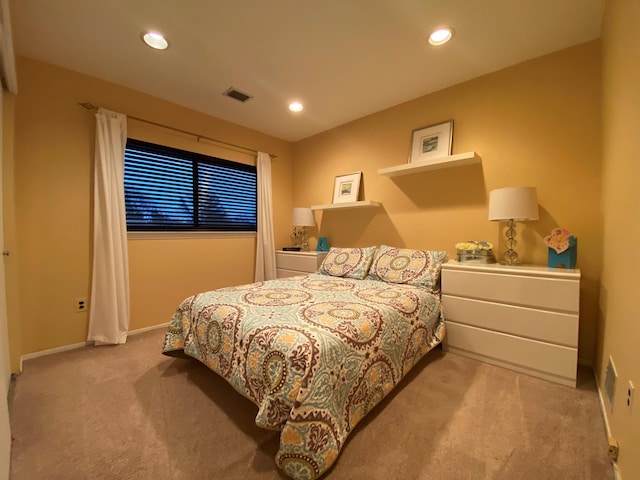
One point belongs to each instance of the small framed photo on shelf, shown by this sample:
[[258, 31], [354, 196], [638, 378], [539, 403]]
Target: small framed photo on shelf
[[347, 188], [431, 142]]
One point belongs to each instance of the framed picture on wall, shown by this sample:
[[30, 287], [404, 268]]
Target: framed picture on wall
[[431, 142], [347, 188]]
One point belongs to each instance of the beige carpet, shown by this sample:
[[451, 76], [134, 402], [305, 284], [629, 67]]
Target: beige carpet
[[128, 412]]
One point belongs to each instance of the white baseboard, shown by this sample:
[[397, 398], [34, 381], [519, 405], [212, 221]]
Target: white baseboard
[[607, 427], [74, 346], [148, 329], [616, 472]]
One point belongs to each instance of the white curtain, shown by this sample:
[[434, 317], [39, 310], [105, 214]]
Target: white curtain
[[109, 306], [265, 245]]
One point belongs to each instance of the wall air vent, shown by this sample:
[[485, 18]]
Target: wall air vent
[[610, 382], [237, 95]]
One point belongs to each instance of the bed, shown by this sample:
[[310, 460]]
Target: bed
[[316, 353]]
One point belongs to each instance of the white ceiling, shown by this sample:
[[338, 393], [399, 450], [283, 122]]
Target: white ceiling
[[343, 59]]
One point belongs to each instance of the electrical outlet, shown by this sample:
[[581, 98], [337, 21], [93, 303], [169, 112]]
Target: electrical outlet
[[631, 391], [81, 305]]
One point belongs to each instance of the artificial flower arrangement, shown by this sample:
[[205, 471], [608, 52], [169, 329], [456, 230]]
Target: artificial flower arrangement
[[473, 245], [475, 252], [299, 238]]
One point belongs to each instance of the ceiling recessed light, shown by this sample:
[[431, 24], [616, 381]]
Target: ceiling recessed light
[[441, 36], [296, 107], [155, 40]]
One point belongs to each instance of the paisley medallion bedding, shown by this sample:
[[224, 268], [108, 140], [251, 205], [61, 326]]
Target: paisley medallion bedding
[[315, 353]]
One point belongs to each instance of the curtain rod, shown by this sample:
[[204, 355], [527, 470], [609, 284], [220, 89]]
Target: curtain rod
[[90, 106]]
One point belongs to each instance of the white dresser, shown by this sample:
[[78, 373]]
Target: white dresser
[[290, 264], [520, 317]]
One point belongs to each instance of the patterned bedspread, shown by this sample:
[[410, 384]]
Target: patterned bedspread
[[315, 353]]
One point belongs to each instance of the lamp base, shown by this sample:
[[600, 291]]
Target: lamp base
[[510, 256], [515, 264]]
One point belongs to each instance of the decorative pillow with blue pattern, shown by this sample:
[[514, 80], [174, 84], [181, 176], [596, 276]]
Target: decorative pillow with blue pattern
[[348, 262], [404, 265]]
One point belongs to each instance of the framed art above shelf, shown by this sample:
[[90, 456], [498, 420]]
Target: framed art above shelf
[[336, 206], [450, 161]]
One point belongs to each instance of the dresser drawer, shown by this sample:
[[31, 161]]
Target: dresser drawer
[[299, 262], [548, 326], [544, 292], [551, 362]]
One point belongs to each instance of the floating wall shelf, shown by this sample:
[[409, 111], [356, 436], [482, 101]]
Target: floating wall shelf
[[457, 160], [335, 206]]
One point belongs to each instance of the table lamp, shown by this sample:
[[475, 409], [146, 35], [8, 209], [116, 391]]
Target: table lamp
[[513, 204], [302, 218]]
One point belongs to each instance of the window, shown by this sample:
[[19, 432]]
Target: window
[[170, 189]]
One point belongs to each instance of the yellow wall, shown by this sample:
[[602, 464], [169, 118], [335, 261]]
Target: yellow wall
[[537, 123], [619, 299], [54, 139], [534, 124]]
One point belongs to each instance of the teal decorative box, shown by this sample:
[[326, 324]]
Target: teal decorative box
[[323, 246], [563, 249]]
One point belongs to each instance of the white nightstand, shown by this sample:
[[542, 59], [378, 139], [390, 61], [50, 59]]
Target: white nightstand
[[520, 317], [290, 264]]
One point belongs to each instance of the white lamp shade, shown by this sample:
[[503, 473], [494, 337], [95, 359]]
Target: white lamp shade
[[303, 217], [513, 203]]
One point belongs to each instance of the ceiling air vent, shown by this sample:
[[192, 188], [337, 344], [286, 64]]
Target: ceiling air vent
[[237, 95]]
